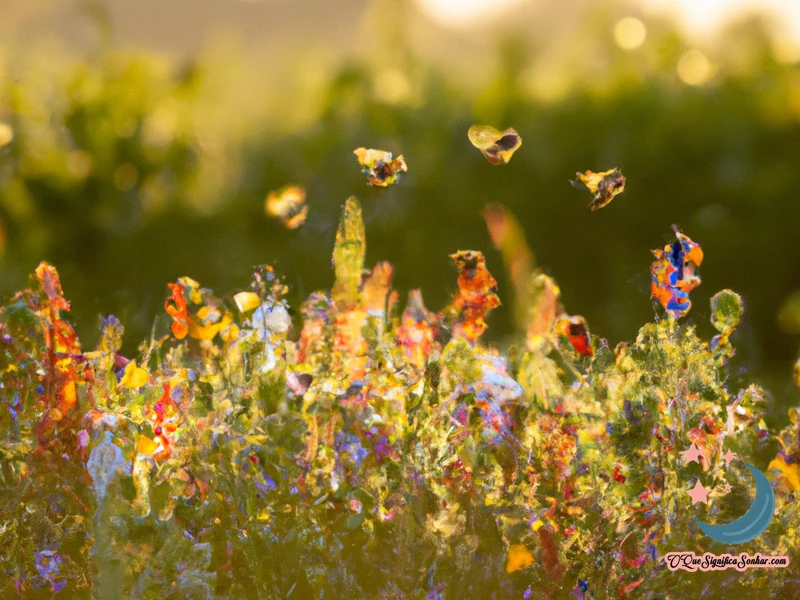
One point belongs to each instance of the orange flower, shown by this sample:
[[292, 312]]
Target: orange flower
[[175, 306], [577, 331], [417, 332], [477, 295], [519, 557], [51, 285]]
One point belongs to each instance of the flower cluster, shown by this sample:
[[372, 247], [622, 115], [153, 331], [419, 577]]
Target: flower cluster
[[243, 455]]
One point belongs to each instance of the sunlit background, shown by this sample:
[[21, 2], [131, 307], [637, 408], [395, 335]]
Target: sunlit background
[[138, 141]]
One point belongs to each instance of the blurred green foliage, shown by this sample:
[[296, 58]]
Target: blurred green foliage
[[127, 171]]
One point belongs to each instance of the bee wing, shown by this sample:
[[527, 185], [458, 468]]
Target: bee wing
[[483, 136], [577, 183]]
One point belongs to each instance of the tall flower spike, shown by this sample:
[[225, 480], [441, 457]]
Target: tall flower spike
[[348, 255], [542, 311], [175, 305], [418, 330], [508, 237], [51, 285], [375, 290], [477, 295], [673, 274]]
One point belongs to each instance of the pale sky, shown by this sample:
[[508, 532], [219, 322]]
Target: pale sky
[[699, 17], [185, 26]]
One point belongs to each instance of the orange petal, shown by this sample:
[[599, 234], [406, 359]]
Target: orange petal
[[519, 557], [179, 330], [146, 446]]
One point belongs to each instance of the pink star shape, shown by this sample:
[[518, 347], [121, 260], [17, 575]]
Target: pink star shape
[[727, 488], [692, 454], [699, 493], [728, 457]]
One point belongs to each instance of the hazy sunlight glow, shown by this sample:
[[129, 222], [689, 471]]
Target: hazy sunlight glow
[[456, 13], [706, 16]]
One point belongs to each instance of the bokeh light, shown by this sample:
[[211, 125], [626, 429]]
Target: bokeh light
[[630, 33], [694, 68], [6, 134]]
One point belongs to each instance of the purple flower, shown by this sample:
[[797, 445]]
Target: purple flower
[[383, 448], [268, 486], [348, 445], [528, 593], [47, 564]]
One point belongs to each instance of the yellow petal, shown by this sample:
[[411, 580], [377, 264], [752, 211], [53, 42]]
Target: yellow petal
[[519, 557], [246, 301], [230, 334], [207, 332], [498, 147], [483, 136], [791, 472], [134, 376], [146, 446], [194, 289], [204, 313]]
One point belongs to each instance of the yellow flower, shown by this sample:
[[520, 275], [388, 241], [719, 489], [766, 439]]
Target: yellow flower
[[207, 332], [246, 301], [146, 446], [134, 376], [790, 472]]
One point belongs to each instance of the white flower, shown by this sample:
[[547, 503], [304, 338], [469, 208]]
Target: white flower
[[269, 361], [268, 319], [105, 460]]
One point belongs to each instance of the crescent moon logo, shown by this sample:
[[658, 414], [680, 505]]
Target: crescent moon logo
[[752, 523]]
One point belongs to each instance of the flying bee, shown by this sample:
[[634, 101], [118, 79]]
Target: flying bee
[[605, 186], [380, 168], [498, 147], [288, 205]]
